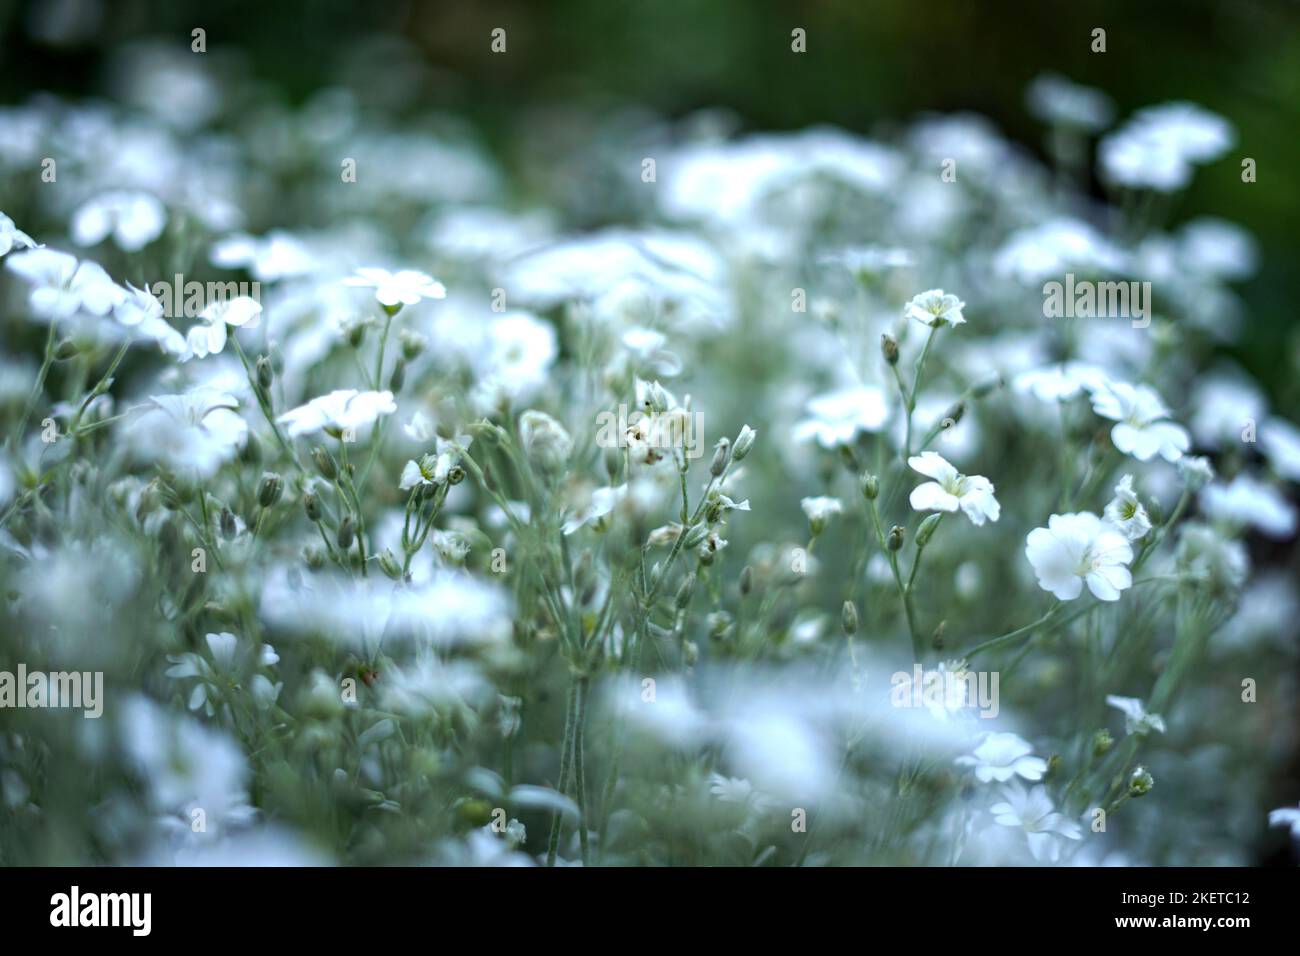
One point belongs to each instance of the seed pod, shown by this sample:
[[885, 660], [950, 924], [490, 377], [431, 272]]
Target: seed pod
[[346, 535], [889, 348], [311, 504], [895, 539], [325, 462]]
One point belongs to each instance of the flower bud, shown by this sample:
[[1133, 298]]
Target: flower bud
[[685, 592], [1053, 767], [954, 414], [1140, 782], [388, 564], [746, 580], [926, 530], [265, 375], [721, 452], [889, 348], [870, 487], [849, 618], [695, 535], [546, 443], [325, 463], [270, 489], [455, 475], [314, 556], [398, 378], [690, 653], [346, 534], [1102, 741], [744, 442], [251, 453], [356, 333], [719, 624], [895, 539], [65, 350], [311, 504], [413, 344]]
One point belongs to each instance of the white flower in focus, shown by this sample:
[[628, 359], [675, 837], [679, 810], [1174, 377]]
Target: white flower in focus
[[1075, 549], [1136, 718], [133, 219], [337, 412], [836, 418], [1246, 501], [1126, 513], [973, 494], [396, 289], [12, 238], [935, 309], [1034, 813], [1142, 428], [999, 757], [61, 287]]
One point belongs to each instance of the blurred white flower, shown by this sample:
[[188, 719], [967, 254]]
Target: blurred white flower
[[973, 494], [134, 219], [277, 255], [341, 410], [1055, 99], [1286, 817], [1126, 513], [1033, 254], [516, 360], [820, 510], [1059, 383], [1034, 813], [1247, 501], [1075, 549], [193, 433], [1143, 428], [12, 238], [1003, 756], [1279, 440], [1219, 249], [61, 287], [836, 418], [396, 289], [935, 309], [1136, 718]]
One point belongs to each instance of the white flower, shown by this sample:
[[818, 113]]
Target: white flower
[[337, 412], [820, 510], [396, 289], [1279, 440], [11, 237], [433, 469], [1195, 470], [1126, 513], [1286, 817], [935, 309], [1034, 813], [1136, 718], [141, 311], [1142, 428], [1055, 99], [420, 428], [836, 418], [1248, 501], [1075, 549], [1190, 131], [1003, 756], [133, 219], [193, 434], [602, 503], [62, 287], [1059, 383], [277, 255], [518, 356], [949, 491], [209, 336]]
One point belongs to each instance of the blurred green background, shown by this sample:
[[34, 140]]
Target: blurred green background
[[868, 64]]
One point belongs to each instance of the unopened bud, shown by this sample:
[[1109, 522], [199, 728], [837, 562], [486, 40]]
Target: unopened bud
[[270, 489], [413, 344], [849, 618], [1140, 782], [398, 378], [889, 348], [346, 534], [685, 592], [895, 539], [870, 487], [65, 350], [228, 526], [926, 530], [746, 580], [721, 452], [744, 442], [695, 535], [311, 504], [264, 373], [325, 463], [1102, 741], [314, 555], [388, 564]]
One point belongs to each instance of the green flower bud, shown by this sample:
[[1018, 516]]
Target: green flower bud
[[356, 333], [685, 592], [413, 344], [1102, 741], [228, 526], [695, 535], [926, 531], [325, 463], [388, 564], [314, 555], [264, 373], [1140, 782], [546, 443], [311, 504], [895, 539], [270, 489], [889, 348], [744, 442], [721, 452], [398, 378], [251, 453], [870, 487], [346, 533], [849, 618], [65, 350], [746, 580]]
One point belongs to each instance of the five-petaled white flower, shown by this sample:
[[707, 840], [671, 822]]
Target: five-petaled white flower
[[1034, 813], [950, 490], [1126, 513], [1136, 718], [61, 286], [1003, 756], [209, 336], [134, 219], [936, 309], [434, 469], [1075, 549], [396, 289], [340, 411], [1143, 429]]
